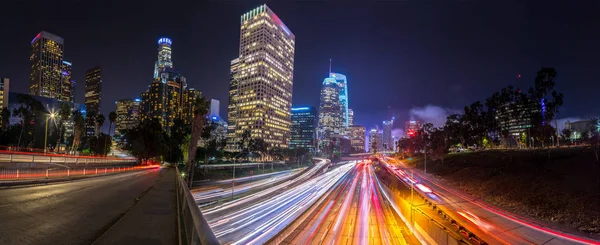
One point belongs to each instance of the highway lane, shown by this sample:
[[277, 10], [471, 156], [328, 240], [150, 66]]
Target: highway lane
[[256, 222], [223, 189], [495, 223], [75, 212], [353, 213]]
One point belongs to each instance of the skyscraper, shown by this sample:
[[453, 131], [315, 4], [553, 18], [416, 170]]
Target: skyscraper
[[4, 89], [214, 108], [342, 83], [164, 56], [303, 128], [264, 79], [357, 134], [232, 106], [388, 141], [350, 117], [93, 94], [128, 115], [411, 127], [68, 85], [375, 143], [331, 123], [45, 63]]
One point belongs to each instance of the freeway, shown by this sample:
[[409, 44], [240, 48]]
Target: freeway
[[223, 188], [75, 212], [353, 212], [494, 225], [255, 218]]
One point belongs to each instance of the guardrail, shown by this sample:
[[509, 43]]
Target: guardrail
[[193, 228], [26, 157], [33, 174]]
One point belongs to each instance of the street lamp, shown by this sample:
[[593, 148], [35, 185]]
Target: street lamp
[[46, 136]]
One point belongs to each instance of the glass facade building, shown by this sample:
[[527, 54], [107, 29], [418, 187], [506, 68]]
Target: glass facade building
[[342, 84], [357, 134], [164, 56], [68, 84], [303, 128], [388, 141], [331, 122], [262, 87], [45, 65], [93, 94]]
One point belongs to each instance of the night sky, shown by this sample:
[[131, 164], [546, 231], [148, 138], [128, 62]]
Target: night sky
[[419, 59]]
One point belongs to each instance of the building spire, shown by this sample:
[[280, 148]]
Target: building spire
[[329, 67]]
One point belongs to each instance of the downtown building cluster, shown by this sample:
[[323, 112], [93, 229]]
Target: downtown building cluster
[[260, 93]]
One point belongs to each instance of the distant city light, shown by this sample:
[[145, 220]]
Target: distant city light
[[137, 99], [67, 63], [214, 118]]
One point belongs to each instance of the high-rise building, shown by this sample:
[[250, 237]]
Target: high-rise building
[[164, 56], [4, 89], [303, 128], [214, 108], [189, 102], [388, 141], [68, 84], [342, 84], [45, 63], [93, 94], [128, 115], [232, 106], [375, 140], [411, 127], [331, 123], [4, 84], [350, 117], [264, 78], [357, 134]]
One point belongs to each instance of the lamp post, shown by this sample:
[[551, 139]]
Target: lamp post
[[233, 180], [46, 136]]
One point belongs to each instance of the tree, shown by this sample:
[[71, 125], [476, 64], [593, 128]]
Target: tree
[[258, 146], [78, 129], [112, 117], [32, 114], [244, 142], [566, 134], [200, 110], [64, 113], [5, 116], [146, 140], [594, 141], [99, 122]]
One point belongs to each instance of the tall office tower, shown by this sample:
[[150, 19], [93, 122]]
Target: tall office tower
[[4, 85], [374, 140], [357, 136], [68, 84], [388, 141], [45, 63], [264, 78], [350, 117], [93, 95], [173, 99], [214, 108], [128, 115], [411, 127], [164, 56], [231, 107], [331, 123], [303, 128], [189, 102], [342, 83]]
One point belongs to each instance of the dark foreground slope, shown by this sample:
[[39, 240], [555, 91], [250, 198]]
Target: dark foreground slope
[[563, 189]]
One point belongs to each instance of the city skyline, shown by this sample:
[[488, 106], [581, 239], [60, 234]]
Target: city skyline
[[458, 83]]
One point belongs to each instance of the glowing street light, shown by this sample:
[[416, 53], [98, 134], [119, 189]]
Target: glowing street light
[[52, 115]]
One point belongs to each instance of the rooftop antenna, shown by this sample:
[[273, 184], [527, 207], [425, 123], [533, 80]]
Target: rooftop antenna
[[329, 67]]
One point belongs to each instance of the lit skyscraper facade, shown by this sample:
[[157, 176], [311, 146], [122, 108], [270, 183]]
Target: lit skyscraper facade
[[342, 84], [411, 127], [357, 136], [4, 89], [45, 65], [375, 140], [350, 117], [93, 95], [303, 128], [164, 56], [388, 141], [68, 85], [232, 106], [331, 123], [128, 115], [264, 79]]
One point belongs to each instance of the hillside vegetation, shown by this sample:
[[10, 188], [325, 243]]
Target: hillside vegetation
[[563, 189]]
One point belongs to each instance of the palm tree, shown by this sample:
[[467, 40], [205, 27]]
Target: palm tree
[[112, 117], [200, 110], [99, 122], [78, 128], [5, 115], [64, 113]]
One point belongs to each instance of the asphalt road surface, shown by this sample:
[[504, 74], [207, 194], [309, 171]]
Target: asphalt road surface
[[75, 212]]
